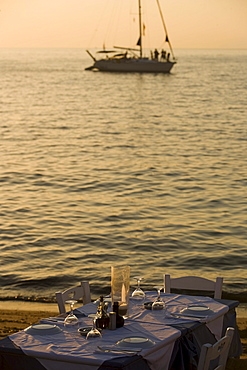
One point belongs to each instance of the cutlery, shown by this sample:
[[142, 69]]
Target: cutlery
[[187, 316], [53, 320], [123, 350]]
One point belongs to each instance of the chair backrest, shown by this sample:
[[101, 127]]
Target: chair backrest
[[79, 292], [219, 350], [194, 283]]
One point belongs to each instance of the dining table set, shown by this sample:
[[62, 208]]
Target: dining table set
[[166, 338]]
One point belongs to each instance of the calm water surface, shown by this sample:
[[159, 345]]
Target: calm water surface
[[104, 169]]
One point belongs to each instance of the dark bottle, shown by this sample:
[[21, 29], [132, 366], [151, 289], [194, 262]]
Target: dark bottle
[[103, 319], [119, 318]]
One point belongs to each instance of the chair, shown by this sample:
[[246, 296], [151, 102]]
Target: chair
[[78, 292], [194, 283], [219, 350]]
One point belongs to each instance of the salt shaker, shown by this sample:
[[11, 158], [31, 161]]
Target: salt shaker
[[112, 323]]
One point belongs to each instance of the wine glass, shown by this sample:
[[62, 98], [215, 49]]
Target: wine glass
[[71, 319], [94, 332], [138, 293], [158, 304]]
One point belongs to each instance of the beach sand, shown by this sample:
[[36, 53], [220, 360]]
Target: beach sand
[[15, 316]]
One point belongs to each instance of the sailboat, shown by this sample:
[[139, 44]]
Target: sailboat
[[122, 59]]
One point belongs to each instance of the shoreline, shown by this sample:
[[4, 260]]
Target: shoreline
[[29, 306]]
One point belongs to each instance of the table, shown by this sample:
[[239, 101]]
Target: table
[[178, 340]]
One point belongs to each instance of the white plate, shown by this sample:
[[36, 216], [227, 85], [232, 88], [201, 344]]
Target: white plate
[[140, 342], [197, 310], [43, 329]]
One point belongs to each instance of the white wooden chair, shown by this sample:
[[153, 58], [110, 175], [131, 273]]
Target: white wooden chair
[[194, 283], [79, 292], [219, 350]]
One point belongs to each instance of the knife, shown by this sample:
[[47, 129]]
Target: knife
[[121, 350], [188, 316]]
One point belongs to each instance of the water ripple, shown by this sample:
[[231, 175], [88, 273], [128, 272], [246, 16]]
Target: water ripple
[[149, 174]]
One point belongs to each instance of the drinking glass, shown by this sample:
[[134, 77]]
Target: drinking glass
[[94, 332], [138, 293], [158, 304], [71, 319]]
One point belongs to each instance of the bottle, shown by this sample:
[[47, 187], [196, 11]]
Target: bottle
[[103, 319], [119, 318]]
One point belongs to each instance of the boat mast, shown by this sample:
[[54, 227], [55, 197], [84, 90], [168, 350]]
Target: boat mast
[[165, 29], [140, 27]]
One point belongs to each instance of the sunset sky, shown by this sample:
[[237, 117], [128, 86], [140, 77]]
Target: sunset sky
[[89, 23]]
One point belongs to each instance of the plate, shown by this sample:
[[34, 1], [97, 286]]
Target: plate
[[198, 310], [136, 341], [43, 329], [83, 331]]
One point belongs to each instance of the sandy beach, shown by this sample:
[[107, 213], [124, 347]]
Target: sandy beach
[[15, 316]]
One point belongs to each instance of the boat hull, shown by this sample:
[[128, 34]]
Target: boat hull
[[133, 65]]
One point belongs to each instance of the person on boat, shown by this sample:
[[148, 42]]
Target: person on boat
[[156, 54], [168, 57], [163, 54]]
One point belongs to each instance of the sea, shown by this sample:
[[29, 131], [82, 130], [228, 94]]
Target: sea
[[107, 169]]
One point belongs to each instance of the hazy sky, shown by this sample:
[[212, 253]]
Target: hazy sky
[[89, 23]]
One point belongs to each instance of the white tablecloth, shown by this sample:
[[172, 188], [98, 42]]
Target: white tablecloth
[[70, 346], [55, 351], [175, 303]]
